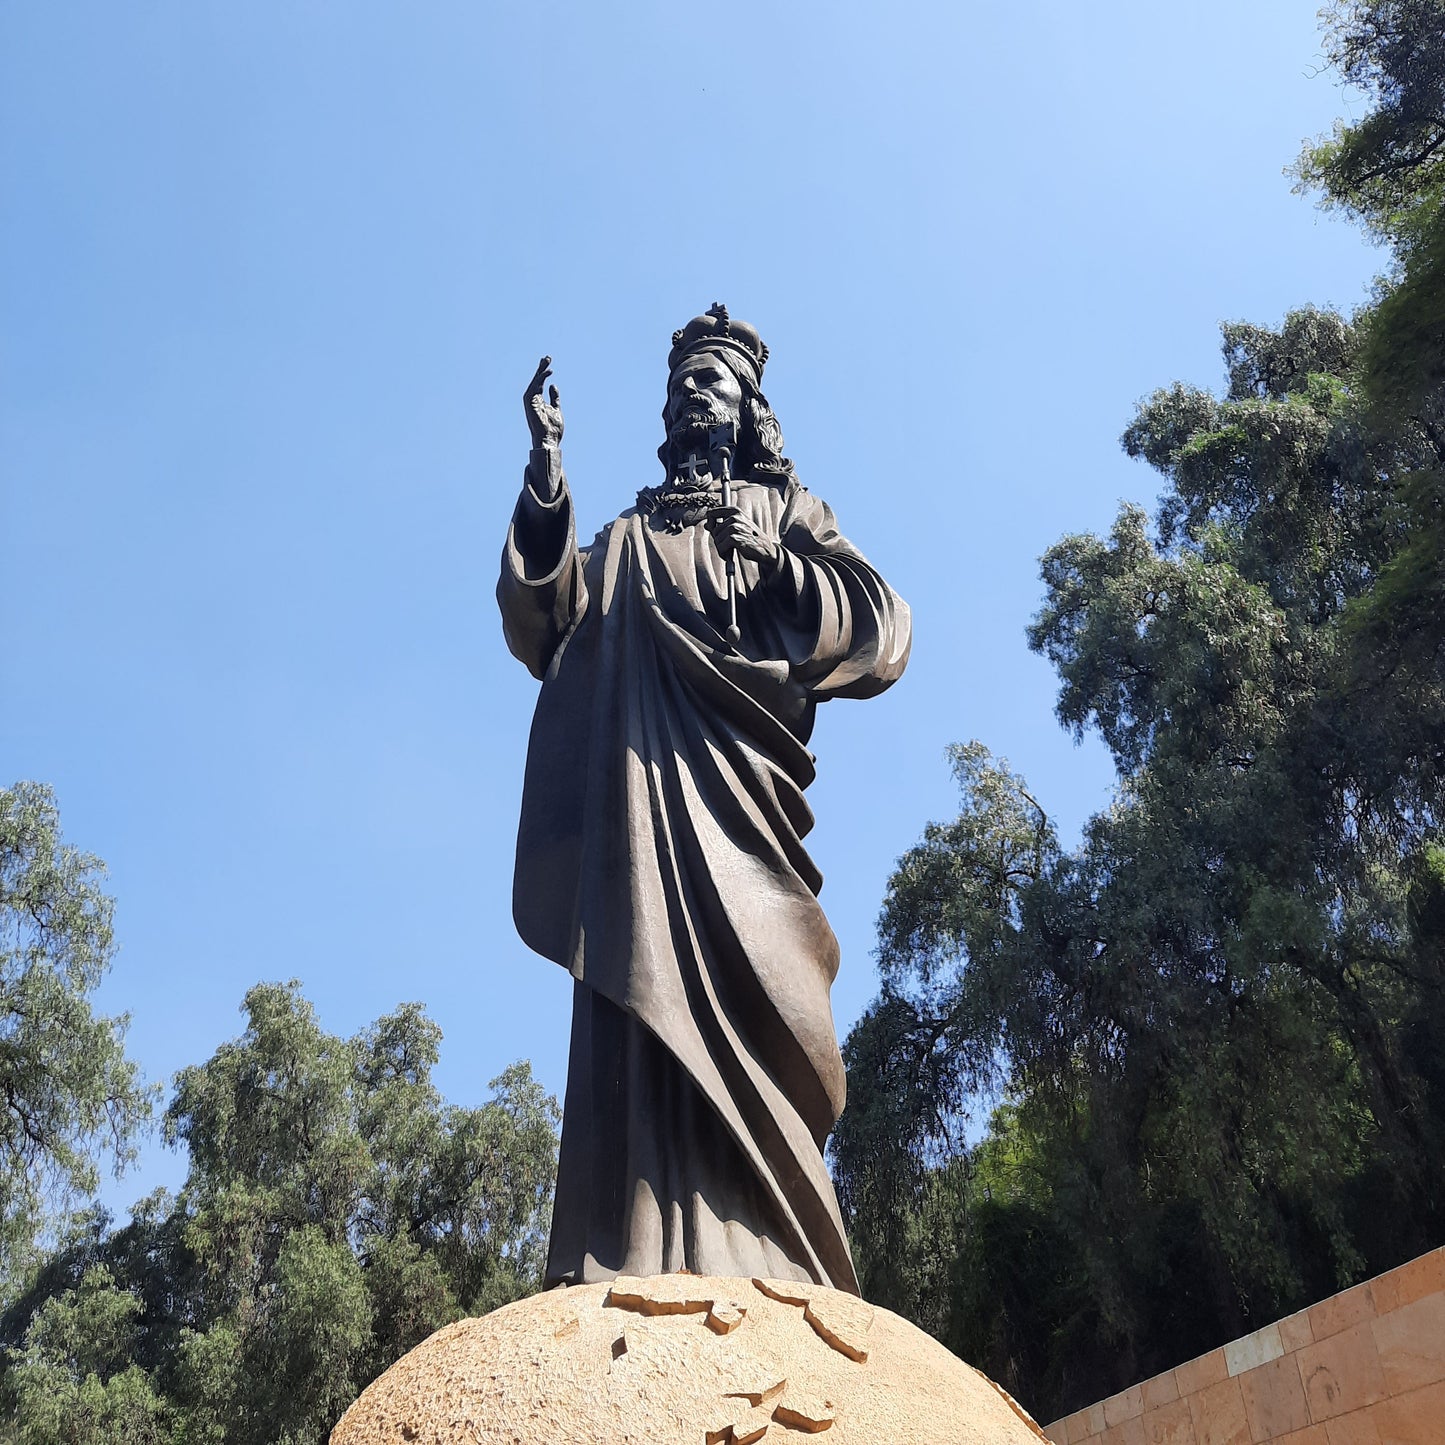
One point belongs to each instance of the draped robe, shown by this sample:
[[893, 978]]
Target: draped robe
[[660, 859]]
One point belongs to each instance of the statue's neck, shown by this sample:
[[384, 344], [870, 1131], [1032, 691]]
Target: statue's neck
[[692, 468]]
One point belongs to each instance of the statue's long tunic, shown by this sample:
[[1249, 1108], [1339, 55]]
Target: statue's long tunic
[[660, 860]]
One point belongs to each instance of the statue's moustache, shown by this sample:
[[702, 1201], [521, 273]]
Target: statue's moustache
[[697, 419]]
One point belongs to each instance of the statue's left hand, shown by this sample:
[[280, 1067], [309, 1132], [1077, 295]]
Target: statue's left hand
[[734, 532]]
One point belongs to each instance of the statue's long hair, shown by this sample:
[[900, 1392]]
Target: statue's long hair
[[760, 438]]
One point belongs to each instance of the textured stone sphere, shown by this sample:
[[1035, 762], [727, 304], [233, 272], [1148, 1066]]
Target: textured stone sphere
[[684, 1359]]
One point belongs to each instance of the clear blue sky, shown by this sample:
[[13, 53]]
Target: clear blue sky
[[273, 276]]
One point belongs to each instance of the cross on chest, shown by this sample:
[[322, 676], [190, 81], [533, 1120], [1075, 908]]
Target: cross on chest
[[693, 467]]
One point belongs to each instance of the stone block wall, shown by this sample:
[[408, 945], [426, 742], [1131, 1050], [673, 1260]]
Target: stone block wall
[[1366, 1367]]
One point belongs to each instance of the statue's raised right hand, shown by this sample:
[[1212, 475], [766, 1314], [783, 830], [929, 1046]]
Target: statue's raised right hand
[[544, 415]]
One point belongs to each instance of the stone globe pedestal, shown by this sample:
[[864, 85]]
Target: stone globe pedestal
[[684, 1360]]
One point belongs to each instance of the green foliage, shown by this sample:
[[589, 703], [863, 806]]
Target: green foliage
[[335, 1213], [73, 1383], [65, 1083], [1388, 170], [1216, 1023]]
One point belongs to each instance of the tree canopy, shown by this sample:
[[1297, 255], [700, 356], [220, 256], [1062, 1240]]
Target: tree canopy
[[1216, 1025], [67, 1091], [336, 1211]]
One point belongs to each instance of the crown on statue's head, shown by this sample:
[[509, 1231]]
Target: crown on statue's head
[[717, 331]]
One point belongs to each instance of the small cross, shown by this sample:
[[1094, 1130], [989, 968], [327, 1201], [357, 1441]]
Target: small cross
[[692, 466]]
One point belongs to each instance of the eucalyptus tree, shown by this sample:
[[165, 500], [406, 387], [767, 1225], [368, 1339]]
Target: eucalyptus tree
[[69, 1097], [335, 1212], [1217, 1023]]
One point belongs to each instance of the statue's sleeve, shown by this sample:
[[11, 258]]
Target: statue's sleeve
[[845, 630], [542, 593]]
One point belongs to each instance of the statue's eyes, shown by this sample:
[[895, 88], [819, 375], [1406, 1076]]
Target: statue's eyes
[[710, 377]]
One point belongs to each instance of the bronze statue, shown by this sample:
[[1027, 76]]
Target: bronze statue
[[682, 655]]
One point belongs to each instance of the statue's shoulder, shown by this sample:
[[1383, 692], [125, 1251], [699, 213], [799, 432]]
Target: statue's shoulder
[[639, 508], [799, 504], [784, 487], [598, 545]]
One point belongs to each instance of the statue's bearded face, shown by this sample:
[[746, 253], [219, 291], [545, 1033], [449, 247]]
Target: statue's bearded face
[[702, 393]]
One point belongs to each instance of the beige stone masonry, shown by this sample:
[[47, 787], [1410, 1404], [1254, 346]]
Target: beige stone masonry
[[1364, 1367]]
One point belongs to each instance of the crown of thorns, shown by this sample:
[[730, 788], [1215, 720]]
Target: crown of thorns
[[715, 330]]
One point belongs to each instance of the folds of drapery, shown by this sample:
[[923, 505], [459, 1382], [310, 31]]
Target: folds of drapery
[[660, 854]]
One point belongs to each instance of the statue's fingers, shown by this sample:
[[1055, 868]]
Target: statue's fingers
[[543, 371]]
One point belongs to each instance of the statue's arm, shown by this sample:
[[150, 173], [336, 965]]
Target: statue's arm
[[847, 632], [541, 592]]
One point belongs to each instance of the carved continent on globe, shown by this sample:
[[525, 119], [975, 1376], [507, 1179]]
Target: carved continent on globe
[[684, 1359]]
